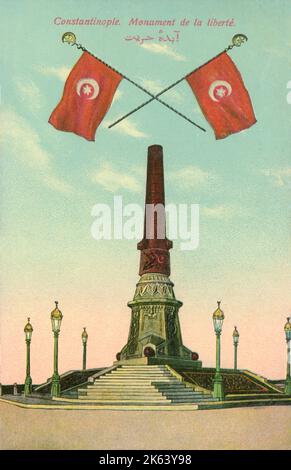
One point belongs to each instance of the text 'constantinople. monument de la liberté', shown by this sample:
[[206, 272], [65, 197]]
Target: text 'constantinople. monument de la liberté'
[[158, 23]]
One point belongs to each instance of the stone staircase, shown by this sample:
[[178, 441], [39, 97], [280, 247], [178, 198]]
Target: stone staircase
[[140, 385]]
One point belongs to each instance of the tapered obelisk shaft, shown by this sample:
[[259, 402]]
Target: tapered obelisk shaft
[[155, 256]]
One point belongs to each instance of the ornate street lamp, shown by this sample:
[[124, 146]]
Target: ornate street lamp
[[28, 381], [56, 319], [84, 340], [235, 336], [287, 329], [218, 317]]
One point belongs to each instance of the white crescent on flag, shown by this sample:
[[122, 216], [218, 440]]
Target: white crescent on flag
[[88, 88], [219, 89]]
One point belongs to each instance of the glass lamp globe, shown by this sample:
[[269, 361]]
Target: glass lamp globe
[[218, 317], [56, 319], [235, 336], [28, 330], [84, 336]]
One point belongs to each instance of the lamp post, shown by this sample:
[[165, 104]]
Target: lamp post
[[56, 319], [84, 340], [218, 317], [287, 329], [28, 381], [235, 336]]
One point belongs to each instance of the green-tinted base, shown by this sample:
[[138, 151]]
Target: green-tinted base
[[28, 386], [287, 389], [171, 361], [218, 391], [56, 387]]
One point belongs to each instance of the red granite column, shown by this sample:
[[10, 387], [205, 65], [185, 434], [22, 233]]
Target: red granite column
[[155, 256]]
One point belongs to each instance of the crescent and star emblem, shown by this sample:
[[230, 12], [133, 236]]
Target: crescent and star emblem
[[219, 89], [87, 88]]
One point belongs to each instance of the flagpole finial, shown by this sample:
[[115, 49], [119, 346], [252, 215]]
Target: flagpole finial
[[237, 40], [69, 37]]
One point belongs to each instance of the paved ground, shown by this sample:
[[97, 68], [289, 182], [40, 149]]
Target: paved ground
[[245, 428]]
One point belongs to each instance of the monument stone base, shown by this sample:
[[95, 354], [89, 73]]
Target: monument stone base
[[170, 361]]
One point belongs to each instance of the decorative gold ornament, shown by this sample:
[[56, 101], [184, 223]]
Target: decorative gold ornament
[[239, 39], [69, 37]]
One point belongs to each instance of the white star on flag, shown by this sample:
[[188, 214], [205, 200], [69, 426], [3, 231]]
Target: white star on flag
[[221, 92], [87, 90]]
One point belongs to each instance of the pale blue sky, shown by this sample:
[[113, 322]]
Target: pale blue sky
[[51, 180]]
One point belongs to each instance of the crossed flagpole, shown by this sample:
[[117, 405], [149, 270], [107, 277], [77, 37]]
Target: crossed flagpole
[[237, 41]]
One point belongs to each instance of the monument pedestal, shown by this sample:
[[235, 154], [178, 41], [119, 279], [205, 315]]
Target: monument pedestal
[[155, 331], [174, 362]]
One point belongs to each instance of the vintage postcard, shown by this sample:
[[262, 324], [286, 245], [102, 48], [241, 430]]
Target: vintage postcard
[[145, 225]]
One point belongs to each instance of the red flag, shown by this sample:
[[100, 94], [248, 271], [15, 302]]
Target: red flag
[[222, 96], [87, 96]]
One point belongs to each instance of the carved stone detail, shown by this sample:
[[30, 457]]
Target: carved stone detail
[[155, 319], [171, 322], [133, 333], [155, 260], [155, 286]]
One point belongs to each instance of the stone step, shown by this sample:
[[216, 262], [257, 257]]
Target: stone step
[[133, 392], [162, 380], [188, 400], [172, 389], [181, 395], [181, 390], [172, 386], [127, 390], [133, 380], [139, 385], [146, 371], [138, 377], [184, 400], [126, 373], [147, 367], [124, 396], [143, 389], [126, 401], [125, 387], [123, 390], [142, 392], [129, 382], [137, 374], [137, 371]]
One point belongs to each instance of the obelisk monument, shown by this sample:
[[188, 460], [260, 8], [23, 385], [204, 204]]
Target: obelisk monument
[[155, 333]]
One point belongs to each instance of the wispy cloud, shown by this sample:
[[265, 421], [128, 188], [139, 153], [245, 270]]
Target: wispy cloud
[[279, 176], [126, 127], [57, 184], [59, 72], [19, 140], [163, 49], [155, 86], [113, 180], [219, 212], [191, 176], [29, 93], [22, 140]]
